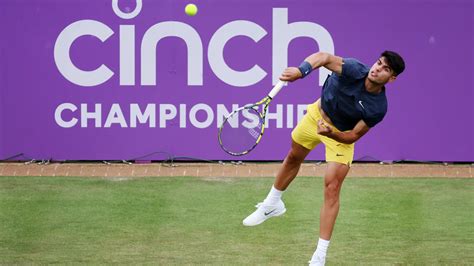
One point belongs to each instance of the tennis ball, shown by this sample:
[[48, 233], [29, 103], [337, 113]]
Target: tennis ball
[[191, 9]]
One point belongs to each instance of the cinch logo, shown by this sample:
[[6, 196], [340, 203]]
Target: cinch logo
[[282, 34]]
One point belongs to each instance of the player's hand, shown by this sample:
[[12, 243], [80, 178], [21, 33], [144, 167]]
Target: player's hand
[[323, 129], [290, 74]]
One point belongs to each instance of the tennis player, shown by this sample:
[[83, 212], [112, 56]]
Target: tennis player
[[353, 100]]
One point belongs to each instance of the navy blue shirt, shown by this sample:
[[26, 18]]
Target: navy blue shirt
[[346, 101]]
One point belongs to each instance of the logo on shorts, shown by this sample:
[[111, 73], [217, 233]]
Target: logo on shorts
[[337, 154]]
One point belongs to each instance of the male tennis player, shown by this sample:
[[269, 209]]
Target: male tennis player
[[352, 101]]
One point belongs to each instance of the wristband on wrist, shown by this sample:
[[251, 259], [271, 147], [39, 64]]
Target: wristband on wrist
[[305, 68]]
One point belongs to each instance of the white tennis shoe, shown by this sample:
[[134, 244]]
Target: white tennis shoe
[[263, 212], [317, 261]]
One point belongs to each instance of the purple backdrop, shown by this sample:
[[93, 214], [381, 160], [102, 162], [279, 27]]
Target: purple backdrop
[[430, 114]]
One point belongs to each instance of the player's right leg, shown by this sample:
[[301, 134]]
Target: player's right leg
[[273, 205], [291, 166], [304, 139]]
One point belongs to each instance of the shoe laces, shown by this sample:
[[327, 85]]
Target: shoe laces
[[263, 204]]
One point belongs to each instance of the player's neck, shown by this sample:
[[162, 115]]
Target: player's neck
[[372, 87]]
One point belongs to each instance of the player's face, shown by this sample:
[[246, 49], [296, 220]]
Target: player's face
[[381, 73]]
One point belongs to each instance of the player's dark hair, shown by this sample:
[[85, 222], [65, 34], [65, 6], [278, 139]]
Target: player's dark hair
[[395, 61]]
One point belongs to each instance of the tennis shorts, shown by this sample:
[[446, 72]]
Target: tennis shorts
[[305, 134]]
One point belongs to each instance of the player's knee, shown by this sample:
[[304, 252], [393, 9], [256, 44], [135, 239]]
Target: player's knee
[[294, 158], [331, 191]]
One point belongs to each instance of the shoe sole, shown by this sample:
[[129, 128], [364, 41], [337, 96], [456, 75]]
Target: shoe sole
[[274, 215]]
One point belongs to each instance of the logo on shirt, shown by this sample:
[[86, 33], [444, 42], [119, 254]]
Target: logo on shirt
[[360, 102]]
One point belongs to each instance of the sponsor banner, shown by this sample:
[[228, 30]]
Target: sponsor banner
[[140, 79]]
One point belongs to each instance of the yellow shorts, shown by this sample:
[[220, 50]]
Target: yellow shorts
[[305, 134]]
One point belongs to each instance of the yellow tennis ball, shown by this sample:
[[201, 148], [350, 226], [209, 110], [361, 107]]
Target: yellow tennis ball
[[191, 9]]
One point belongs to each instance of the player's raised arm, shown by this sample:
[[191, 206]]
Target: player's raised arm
[[329, 61], [314, 61]]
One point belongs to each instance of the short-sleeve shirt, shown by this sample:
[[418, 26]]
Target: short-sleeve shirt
[[346, 101]]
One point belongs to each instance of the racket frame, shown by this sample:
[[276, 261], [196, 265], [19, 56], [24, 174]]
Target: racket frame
[[265, 101]]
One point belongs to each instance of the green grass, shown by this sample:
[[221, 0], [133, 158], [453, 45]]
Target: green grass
[[46, 220]]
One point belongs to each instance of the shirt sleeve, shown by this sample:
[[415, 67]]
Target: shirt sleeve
[[352, 69], [371, 121]]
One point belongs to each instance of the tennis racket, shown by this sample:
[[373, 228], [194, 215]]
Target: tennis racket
[[243, 128]]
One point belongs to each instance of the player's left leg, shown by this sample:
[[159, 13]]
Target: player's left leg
[[339, 157], [333, 179], [335, 174]]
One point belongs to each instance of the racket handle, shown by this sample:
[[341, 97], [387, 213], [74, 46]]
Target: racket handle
[[276, 89]]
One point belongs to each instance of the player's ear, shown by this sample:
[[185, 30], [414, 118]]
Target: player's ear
[[392, 78]]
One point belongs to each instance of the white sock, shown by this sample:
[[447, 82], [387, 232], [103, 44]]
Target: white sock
[[273, 196], [321, 249]]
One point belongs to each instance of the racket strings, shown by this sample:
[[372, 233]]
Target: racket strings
[[240, 139]]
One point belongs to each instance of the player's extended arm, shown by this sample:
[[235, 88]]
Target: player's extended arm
[[347, 137], [314, 61], [329, 61]]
